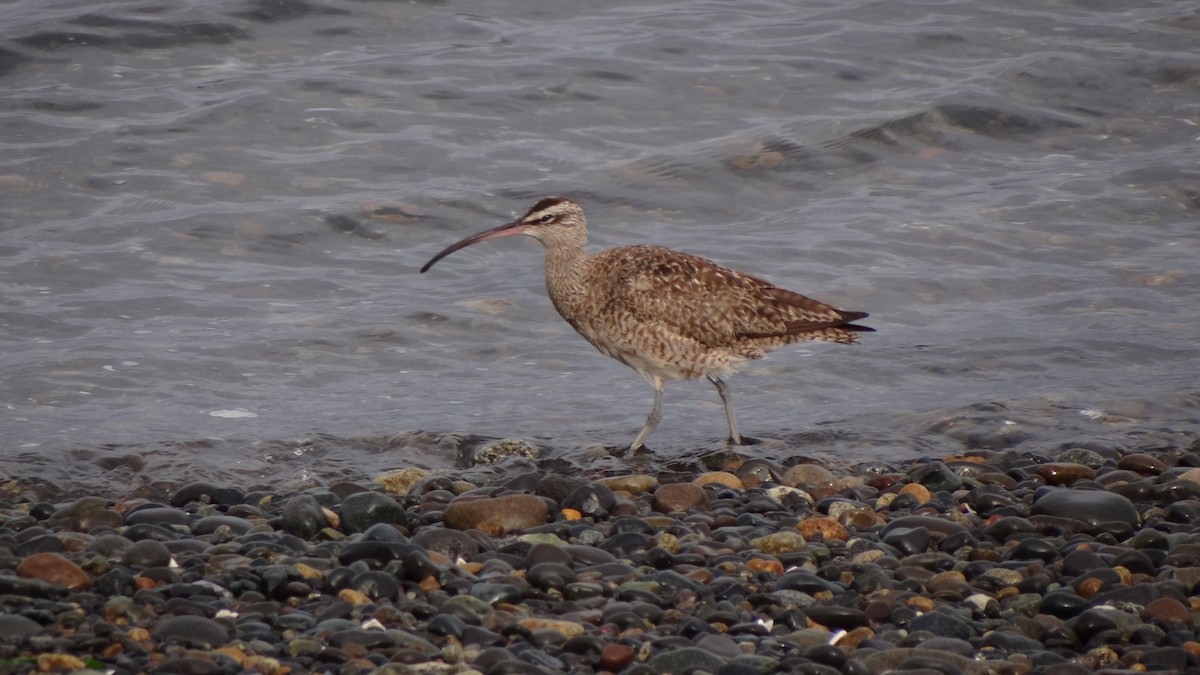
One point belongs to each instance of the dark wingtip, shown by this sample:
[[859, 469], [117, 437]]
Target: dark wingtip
[[855, 316]]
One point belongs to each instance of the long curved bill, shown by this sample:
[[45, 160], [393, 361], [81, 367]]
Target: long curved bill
[[506, 230]]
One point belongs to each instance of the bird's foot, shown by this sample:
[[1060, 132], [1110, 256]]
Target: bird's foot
[[634, 450]]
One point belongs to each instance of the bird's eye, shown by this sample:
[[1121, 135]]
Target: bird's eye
[[546, 218]]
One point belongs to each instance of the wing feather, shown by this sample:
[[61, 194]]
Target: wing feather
[[715, 306]]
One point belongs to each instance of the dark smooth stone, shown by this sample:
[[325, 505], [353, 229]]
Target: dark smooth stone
[[630, 524], [1169, 658], [1080, 561], [828, 655], [492, 593], [1176, 490], [147, 553], [805, 582], [377, 584], [948, 644], [1091, 506], [147, 531], [747, 669], [1062, 604], [908, 541], [585, 555], [939, 525], [207, 493], [1106, 577], [626, 543], [14, 628], [728, 588], [942, 624], [446, 624], [834, 616], [303, 516], [1140, 594], [1137, 562], [84, 515], [1001, 530], [478, 635], [1091, 622], [936, 476], [194, 631], [418, 566], [158, 515], [361, 510], [590, 499], [371, 639], [684, 660], [1034, 548], [384, 531], [117, 581], [186, 665], [110, 545], [957, 541], [548, 553], [377, 553], [1009, 641], [1184, 511], [519, 667], [549, 575], [30, 588], [451, 543], [46, 543], [871, 580], [1150, 539]]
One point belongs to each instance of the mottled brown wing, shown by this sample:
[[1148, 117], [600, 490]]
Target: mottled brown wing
[[713, 305]]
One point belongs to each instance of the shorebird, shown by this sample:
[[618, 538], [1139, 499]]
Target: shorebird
[[668, 315]]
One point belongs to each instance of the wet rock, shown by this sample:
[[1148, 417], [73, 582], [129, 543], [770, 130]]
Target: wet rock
[[685, 660], [590, 499], [147, 553], [497, 514], [1091, 506], [194, 631], [85, 514], [361, 510], [207, 493], [809, 476], [55, 569], [679, 498], [158, 515], [634, 484], [303, 516], [14, 628]]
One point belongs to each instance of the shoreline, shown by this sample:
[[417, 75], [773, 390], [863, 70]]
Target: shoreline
[[988, 562]]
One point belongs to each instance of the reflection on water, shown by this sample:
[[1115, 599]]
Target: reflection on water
[[209, 208]]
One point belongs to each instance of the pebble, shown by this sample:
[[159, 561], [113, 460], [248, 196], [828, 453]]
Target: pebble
[[936, 566], [679, 497], [55, 569], [497, 514]]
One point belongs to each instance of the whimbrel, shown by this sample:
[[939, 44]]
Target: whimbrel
[[668, 315]]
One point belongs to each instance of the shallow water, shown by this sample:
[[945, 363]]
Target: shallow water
[[212, 216]]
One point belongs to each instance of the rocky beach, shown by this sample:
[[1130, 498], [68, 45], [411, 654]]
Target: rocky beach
[[995, 562]]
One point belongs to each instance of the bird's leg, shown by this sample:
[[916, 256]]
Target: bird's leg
[[727, 399], [652, 420]]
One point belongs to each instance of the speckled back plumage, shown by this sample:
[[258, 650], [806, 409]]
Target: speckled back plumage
[[682, 316]]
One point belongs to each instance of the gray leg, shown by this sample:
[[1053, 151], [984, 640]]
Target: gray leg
[[652, 421], [727, 399]]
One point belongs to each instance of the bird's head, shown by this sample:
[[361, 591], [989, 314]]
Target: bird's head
[[554, 221]]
